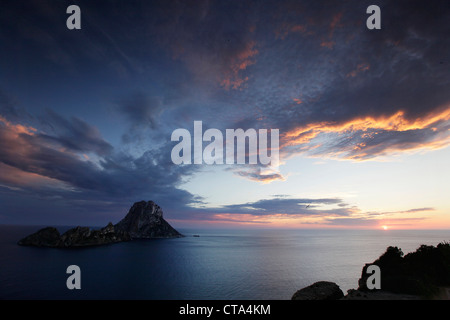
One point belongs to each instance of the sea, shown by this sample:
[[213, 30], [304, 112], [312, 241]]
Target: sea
[[215, 264]]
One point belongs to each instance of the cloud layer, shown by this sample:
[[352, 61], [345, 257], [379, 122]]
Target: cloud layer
[[86, 117]]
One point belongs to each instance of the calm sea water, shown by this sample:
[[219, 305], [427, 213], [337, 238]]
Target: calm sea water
[[220, 264]]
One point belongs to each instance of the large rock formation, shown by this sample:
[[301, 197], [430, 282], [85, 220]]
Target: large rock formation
[[143, 221], [322, 290]]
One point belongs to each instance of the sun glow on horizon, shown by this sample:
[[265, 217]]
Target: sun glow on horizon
[[385, 227]]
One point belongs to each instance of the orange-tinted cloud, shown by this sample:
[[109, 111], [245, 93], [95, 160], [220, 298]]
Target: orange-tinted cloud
[[327, 44], [363, 131], [32, 159], [15, 143], [12, 138], [359, 68], [233, 78], [16, 129], [16, 179], [286, 29], [335, 23]]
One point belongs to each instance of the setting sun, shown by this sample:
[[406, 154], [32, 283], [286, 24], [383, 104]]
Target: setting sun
[[384, 227]]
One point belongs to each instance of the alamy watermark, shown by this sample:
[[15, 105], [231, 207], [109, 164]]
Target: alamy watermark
[[74, 20], [74, 280], [241, 147], [374, 280]]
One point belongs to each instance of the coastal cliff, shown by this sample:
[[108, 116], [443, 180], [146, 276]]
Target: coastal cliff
[[143, 221], [423, 274]]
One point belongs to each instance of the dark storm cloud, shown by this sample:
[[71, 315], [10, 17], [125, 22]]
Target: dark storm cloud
[[124, 39], [333, 71], [308, 68], [73, 134], [47, 166], [39, 41], [212, 39], [268, 54], [273, 51], [398, 68], [141, 110], [367, 144], [142, 113], [8, 107]]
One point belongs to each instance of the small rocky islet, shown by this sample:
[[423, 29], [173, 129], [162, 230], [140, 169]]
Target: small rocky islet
[[143, 221]]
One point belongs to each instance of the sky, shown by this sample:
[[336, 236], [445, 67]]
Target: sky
[[87, 115]]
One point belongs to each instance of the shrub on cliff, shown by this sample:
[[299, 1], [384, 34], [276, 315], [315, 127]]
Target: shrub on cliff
[[419, 273]]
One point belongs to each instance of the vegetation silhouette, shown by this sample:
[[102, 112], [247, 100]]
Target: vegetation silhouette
[[421, 272]]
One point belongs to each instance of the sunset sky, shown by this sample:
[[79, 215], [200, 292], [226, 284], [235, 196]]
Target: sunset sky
[[86, 116]]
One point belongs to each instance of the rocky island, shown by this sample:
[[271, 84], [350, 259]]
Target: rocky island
[[143, 221]]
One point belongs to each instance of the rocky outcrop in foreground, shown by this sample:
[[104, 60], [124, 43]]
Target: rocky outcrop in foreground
[[423, 274], [322, 290], [143, 221]]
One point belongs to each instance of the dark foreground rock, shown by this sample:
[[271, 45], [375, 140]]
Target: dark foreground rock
[[322, 290], [353, 294], [143, 221], [325, 290]]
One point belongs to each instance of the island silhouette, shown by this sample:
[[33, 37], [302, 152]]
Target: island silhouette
[[143, 221]]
